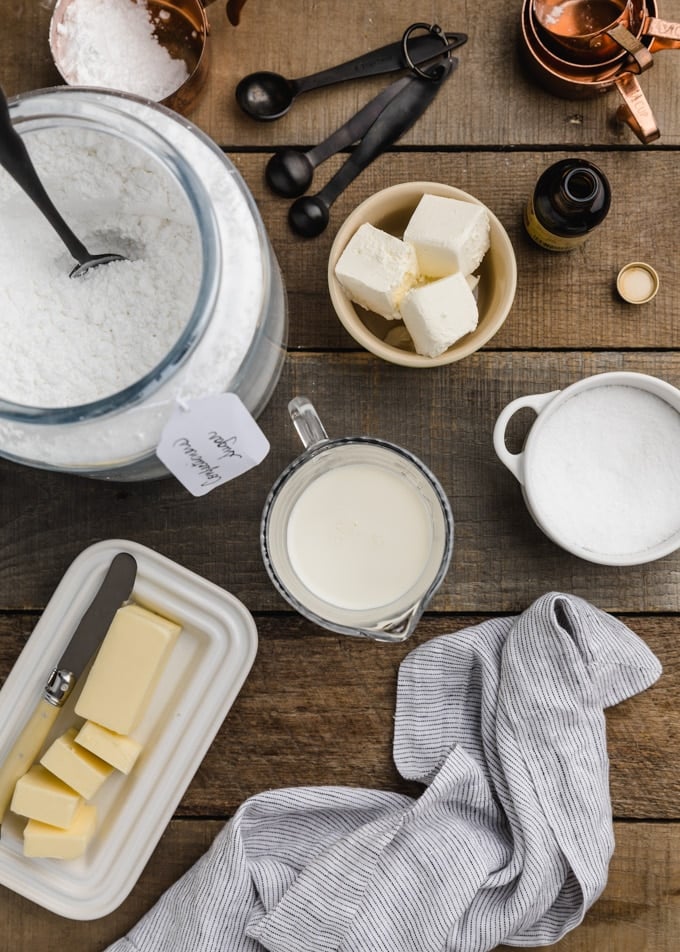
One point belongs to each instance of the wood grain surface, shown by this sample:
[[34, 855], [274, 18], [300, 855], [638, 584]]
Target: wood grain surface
[[638, 909], [318, 708]]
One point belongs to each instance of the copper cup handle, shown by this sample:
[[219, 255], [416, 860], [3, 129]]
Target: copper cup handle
[[642, 57], [666, 35], [635, 110], [234, 8]]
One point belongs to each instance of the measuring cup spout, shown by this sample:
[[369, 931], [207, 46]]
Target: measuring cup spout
[[399, 628]]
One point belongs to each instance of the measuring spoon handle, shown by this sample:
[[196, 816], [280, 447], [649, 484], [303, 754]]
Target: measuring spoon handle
[[396, 118], [16, 161], [386, 59], [357, 125]]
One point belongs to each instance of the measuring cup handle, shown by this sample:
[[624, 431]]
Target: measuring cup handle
[[666, 35], [513, 461], [233, 8], [307, 422], [636, 111], [642, 57]]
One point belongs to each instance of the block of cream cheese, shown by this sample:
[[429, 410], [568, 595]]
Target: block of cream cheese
[[439, 313], [41, 839], [42, 796], [77, 767], [376, 270], [119, 750], [128, 663], [448, 235]]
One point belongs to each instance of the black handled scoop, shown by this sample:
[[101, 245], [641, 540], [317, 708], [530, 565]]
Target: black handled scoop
[[16, 161]]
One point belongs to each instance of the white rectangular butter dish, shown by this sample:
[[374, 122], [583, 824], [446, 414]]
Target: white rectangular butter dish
[[205, 672]]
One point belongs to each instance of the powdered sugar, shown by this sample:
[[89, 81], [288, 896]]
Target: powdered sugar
[[73, 341], [605, 470], [112, 43], [241, 347]]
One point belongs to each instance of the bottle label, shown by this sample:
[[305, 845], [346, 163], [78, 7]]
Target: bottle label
[[547, 239]]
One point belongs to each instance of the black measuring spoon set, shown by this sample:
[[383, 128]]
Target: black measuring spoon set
[[266, 96]]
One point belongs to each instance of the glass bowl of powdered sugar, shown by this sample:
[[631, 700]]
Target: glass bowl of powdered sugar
[[600, 468], [94, 367]]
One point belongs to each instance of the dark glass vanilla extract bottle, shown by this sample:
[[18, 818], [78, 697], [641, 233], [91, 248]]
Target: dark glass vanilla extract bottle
[[571, 198]]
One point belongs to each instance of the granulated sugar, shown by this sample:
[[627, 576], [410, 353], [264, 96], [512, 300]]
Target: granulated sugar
[[69, 341], [604, 470], [112, 43]]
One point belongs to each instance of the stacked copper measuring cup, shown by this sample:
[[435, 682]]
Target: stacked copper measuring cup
[[578, 49]]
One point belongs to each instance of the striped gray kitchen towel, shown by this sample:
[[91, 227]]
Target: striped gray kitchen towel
[[509, 842]]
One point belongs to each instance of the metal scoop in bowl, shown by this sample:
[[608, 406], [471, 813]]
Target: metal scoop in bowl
[[16, 161]]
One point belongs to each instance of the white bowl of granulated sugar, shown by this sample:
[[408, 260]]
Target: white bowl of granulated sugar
[[600, 467]]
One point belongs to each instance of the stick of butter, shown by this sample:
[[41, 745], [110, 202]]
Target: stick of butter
[[42, 796], [118, 750], [41, 839], [123, 676], [77, 767]]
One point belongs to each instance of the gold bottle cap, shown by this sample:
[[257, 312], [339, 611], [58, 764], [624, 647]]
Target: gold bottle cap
[[637, 282]]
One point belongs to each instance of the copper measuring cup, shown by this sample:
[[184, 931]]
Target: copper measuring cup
[[181, 26], [559, 59], [593, 31], [561, 78]]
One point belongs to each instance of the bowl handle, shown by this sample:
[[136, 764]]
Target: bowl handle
[[513, 461]]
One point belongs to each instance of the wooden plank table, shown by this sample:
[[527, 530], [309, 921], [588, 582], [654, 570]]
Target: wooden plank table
[[318, 708]]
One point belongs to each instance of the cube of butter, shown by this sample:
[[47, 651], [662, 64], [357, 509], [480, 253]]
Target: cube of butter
[[119, 750], [77, 767], [448, 235], [376, 270], [128, 663], [439, 313], [42, 796], [41, 839]]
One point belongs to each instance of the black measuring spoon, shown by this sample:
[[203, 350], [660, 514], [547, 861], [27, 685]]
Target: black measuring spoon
[[308, 216], [289, 172], [265, 95]]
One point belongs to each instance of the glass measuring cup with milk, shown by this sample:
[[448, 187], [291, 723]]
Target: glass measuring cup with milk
[[357, 533]]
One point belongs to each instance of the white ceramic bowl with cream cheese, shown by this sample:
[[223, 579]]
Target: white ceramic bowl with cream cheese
[[390, 210], [600, 467]]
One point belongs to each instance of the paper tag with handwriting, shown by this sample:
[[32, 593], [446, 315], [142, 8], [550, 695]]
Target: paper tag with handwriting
[[210, 441]]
